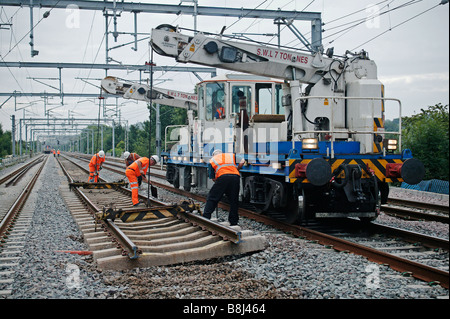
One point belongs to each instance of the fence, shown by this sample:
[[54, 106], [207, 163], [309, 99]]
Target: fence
[[433, 185], [10, 160]]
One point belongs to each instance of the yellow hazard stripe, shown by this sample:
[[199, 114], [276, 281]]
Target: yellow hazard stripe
[[137, 216], [166, 213], [377, 165], [377, 123]]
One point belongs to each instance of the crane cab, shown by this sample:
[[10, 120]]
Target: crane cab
[[236, 113]]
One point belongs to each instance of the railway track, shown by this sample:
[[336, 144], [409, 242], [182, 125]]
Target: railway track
[[415, 204], [108, 245], [401, 208], [170, 234], [15, 218], [420, 256], [413, 210], [343, 243]]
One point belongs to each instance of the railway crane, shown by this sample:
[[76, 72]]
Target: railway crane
[[310, 126]]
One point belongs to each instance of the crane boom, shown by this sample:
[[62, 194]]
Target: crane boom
[[243, 57], [141, 92]]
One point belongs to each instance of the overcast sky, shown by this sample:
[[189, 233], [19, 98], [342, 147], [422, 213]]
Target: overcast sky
[[412, 56]]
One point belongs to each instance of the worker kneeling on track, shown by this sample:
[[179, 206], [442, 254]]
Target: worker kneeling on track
[[134, 171], [226, 181], [95, 165]]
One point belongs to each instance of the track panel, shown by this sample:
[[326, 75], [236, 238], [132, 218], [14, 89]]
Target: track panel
[[162, 240]]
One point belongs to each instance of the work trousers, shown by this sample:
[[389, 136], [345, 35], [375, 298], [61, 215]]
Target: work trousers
[[228, 184], [93, 175], [134, 185]]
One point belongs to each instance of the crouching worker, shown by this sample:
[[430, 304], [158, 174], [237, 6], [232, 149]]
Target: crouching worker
[[226, 181], [95, 166], [136, 169]]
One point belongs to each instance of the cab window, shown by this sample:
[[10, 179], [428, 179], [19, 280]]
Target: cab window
[[265, 98], [241, 92], [215, 101], [279, 108]]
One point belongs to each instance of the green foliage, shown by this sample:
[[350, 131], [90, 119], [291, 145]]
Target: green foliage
[[5, 143], [426, 135], [391, 126]]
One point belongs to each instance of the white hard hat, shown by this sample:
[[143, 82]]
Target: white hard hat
[[216, 152], [101, 154], [126, 154], [155, 158]]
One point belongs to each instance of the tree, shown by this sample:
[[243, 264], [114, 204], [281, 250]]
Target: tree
[[426, 135], [5, 143]]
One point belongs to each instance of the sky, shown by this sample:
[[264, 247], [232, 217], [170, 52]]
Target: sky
[[408, 40]]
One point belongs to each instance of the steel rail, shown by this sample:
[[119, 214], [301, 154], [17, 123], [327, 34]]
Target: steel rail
[[420, 271], [123, 189], [17, 171], [21, 174], [124, 240], [216, 229], [225, 232], [417, 270], [413, 237], [18, 204], [416, 204], [407, 213], [222, 231]]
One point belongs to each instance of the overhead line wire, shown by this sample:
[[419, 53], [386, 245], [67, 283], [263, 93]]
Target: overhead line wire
[[32, 28], [397, 25]]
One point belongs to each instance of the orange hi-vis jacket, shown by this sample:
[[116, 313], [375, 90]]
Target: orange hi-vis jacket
[[221, 112], [224, 163], [96, 161], [140, 166], [134, 157]]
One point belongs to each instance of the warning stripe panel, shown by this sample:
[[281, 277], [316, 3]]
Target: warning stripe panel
[[377, 123], [156, 214], [377, 165]]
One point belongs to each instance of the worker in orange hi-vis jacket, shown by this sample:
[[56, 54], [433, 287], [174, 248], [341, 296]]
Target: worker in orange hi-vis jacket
[[58, 153], [95, 166], [137, 169], [226, 177], [130, 158]]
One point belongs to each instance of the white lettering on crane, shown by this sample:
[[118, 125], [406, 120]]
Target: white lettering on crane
[[182, 95], [280, 55]]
